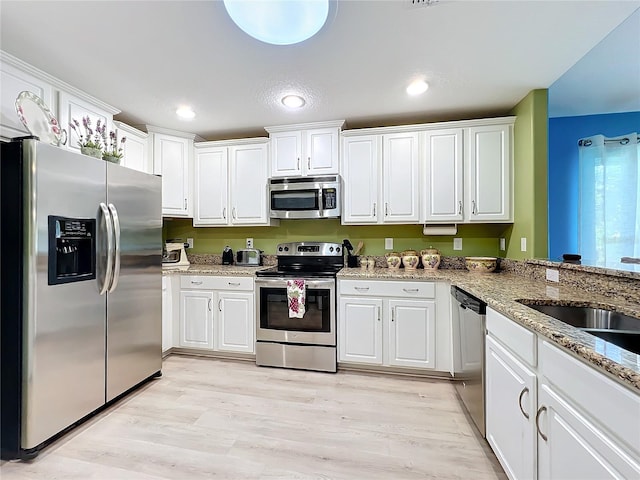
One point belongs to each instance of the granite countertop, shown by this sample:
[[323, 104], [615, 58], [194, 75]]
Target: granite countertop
[[501, 290], [211, 269]]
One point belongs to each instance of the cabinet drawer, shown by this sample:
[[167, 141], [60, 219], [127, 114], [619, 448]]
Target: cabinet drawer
[[210, 282], [518, 339], [604, 401], [388, 289]]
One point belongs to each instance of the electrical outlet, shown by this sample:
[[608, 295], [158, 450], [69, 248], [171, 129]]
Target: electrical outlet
[[249, 242], [190, 242], [523, 244], [503, 244], [388, 243], [552, 275], [457, 244]]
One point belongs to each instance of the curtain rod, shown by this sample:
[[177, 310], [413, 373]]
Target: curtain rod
[[585, 142]]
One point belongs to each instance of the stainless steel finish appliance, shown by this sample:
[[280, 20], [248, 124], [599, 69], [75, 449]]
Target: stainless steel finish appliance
[[81, 289], [308, 342], [249, 257], [305, 197], [469, 315]]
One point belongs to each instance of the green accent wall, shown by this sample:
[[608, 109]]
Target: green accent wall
[[530, 137], [478, 240]]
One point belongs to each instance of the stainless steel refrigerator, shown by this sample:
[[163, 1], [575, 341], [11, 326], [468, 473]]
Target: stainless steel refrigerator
[[81, 289]]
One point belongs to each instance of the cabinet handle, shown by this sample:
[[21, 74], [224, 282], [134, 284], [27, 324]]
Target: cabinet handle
[[386, 209], [309, 163], [540, 410], [185, 203], [233, 213], [220, 305], [374, 209], [378, 311], [234, 284], [459, 207], [361, 289], [524, 390], [411, 290], [193, 282], [209, 304], [298, 167], [393, 314], [473, 207], [224, 213]]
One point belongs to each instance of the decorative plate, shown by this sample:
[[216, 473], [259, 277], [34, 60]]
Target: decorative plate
[[38, 119]]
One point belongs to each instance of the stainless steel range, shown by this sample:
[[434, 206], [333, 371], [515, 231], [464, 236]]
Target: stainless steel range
[[283, 339]]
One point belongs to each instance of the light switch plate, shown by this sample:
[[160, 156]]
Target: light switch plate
[[249, 242], [503, 244], [552, 275], [388, 243], [457, 244], [190, 242], [523, 244]]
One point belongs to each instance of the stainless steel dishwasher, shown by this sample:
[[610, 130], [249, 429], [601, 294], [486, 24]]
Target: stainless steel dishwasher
[[468, 326]]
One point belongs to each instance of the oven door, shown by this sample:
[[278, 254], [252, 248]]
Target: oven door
[[316, 327]]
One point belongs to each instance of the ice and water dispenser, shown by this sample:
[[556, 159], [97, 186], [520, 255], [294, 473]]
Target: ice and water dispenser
[[72, 249]]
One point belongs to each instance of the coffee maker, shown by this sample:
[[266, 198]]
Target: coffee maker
[[174, 254]]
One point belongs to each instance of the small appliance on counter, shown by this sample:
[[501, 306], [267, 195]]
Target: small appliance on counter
[[227, 256], [247, 257], [174, 254]]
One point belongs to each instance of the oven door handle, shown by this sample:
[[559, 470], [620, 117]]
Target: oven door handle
[[282, 282]]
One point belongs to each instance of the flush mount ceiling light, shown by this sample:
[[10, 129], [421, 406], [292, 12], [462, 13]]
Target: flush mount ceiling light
[[279, 22], [293, 101], [186, 113], [417, 87]]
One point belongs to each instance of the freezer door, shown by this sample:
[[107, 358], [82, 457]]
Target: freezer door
[[134, 304], [64, 336]]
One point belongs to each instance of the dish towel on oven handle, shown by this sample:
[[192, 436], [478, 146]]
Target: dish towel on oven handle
[[296, 297]]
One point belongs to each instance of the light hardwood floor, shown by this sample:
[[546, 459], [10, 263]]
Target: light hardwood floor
[[208, 418]]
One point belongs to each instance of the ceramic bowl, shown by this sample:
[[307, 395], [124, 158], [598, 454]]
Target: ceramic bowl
[[410, 259], [430, 258], [393, 260], [481, 264]]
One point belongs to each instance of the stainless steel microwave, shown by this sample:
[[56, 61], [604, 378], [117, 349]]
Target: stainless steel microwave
[[305, 197]]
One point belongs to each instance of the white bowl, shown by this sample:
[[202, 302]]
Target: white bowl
[[481, 264]]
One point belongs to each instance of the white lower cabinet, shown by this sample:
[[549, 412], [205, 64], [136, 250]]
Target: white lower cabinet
[[170, 301], [510, 411], [235, 325], [396, 331], [552, 416], [217, 313]]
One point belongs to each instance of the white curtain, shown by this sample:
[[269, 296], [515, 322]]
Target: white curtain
[[609, 218]]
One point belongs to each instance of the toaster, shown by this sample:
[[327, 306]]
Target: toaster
[[249, 256]]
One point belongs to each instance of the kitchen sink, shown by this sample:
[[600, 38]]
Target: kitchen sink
[[614, 327]]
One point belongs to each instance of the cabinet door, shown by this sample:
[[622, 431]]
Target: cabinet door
[[321, 152], [412, 333], [443, 176], [286, 155], [360, 174], [135, 150], [235, 324], [248, 183], [574, 448], [73, 108], [400, 178], [167, 314], [360, 330], [171, 160], [489, 168], [510, 389], [196, 319], [210, 193]]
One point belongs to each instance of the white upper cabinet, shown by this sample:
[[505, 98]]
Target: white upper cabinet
[[305, 149], [72, 107], [135, 149], [488, 168], [443, 176], [380, 175], [231, 179], [172, 158]]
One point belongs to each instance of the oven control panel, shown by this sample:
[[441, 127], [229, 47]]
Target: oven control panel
[[314, 249]]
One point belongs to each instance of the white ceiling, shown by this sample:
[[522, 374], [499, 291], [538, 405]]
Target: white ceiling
[[148, 57]]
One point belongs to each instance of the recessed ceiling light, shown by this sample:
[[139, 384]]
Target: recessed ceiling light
[[185, 113], [293, 101], [279, 22], [417, 87]]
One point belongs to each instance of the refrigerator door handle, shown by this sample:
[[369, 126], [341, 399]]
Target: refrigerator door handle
[[116, 255], [103, 283]]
